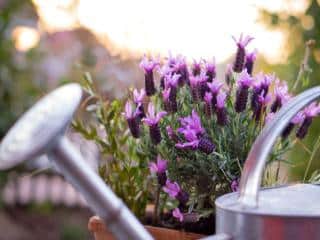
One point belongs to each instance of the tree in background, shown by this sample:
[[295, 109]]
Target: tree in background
[[298, 29]]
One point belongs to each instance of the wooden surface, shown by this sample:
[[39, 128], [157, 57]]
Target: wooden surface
[[97, 227]]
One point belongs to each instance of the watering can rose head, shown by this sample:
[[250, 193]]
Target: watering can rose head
[[198, 129]]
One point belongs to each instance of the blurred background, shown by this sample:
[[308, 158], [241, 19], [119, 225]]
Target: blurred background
[[45, 43]]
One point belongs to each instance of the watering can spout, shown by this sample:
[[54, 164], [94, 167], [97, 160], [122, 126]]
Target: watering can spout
[[257, 157]]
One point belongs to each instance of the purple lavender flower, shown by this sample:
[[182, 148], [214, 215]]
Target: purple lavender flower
[[310, 112], [296, 120], [191, 137], [166, 101], [172, 82], [229, 72], [198, 86], [159, 168], [250, 59], [138, 96], [192, 122], [281, 95], [206, 145], [261, 106], [171, 60], [172, 188], [214, 87], [152, 119], [183, 198], [241, 52], [177, 214], [163, 72], [208, 103], [210, 68], [181, 68], [235, 185], [196, 67], [222, 117], [132, 119], [171, 133], [193, 133], [174, 191], [261, 84], [244, 82], [148, 66], [138, 100]]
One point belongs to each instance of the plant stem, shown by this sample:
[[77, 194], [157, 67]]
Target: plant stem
[[156, 206], [314, 151], [278, 171], [304, 67]]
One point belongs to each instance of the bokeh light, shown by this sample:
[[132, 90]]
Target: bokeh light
[[201, 29], [25, 38]]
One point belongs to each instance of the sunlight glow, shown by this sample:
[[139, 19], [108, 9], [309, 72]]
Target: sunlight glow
[[25, 38], [196, 29]]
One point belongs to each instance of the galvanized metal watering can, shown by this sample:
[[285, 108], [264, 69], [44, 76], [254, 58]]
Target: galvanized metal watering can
[[289, 212], [285, 212]]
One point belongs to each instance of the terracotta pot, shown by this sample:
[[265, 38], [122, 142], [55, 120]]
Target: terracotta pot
[[100, 232]]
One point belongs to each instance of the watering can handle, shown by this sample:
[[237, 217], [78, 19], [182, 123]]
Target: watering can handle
[[256, 160]]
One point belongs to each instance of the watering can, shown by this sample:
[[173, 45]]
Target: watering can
[[285, 212]]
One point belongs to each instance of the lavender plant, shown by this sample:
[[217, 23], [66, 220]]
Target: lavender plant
[[197, 130]]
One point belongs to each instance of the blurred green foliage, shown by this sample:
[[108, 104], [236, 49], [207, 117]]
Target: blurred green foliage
[[124, 167], [299, 28], [17, 90], [73, 232]]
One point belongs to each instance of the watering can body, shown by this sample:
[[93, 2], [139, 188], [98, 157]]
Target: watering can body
[[285, 212], [288, 212]]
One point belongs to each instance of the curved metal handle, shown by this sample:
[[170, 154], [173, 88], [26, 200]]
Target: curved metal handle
[[254, 165]]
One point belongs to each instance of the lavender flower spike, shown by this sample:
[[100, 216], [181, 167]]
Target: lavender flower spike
[[192, 122], [196, 67], [235, 185], [177, 214], [208, 103], [241, 52], [172, 188], [163, 72], [261, 84], [210, 68], [194, 134], [297, 120], [138, 99], [244, 82], [172, 134], [250, 59], [281, 94], [166, 101], [132, 119], [159, 168], [138, 96], [195, 87], [261, 107], [206, 145], [222, 117], [148, 66], [214, 87], [310, 112], [172, 82], [152, 119], [228, 74], [181, 68]]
